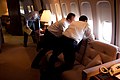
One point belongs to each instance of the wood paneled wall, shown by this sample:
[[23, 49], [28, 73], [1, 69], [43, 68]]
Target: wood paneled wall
[[15, 17]]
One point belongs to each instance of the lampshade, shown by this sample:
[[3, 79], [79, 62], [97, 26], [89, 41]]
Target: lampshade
[[46, 16]]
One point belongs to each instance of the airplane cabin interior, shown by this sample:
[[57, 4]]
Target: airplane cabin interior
[[97, 59]]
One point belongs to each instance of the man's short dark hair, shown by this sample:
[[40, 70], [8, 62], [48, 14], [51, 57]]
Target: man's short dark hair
[[41, 11], [70, 15], [83, 18]]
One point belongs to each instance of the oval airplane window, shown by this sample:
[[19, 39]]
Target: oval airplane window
[[53, 13], [104, 21], [86, 10], [29, 9], [74, 9], [64, 9], [58, 11]]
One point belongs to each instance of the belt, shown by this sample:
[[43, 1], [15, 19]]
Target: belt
[[70, 39]]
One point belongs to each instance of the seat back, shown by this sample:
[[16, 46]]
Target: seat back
[[95, 52]]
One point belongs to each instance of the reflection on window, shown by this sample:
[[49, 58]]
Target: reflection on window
[[58, 11], [64, 10], [73, 7], [32, 7], [51, 8], [107, 31], [74, 10], [53, 18], [86, 10], [53, 14], [105, 21], [47, 7], [22, 10], [29, 9]]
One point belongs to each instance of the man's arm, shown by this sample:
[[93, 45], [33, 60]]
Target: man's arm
[[88, 34]]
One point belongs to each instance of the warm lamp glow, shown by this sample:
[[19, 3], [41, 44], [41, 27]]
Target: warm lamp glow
[[46, 16]]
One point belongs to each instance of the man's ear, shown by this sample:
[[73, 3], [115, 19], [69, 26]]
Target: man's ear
[[69, 20], [85, 20]]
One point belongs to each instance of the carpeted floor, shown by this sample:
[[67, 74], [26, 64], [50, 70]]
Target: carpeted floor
[[15, 60]]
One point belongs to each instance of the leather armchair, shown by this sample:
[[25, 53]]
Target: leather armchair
[[88, 58]]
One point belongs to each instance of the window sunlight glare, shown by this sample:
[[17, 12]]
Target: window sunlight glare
[[107, 31]]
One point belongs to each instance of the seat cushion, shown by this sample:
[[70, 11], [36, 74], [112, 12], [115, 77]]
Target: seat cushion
[[96, 61], [106, 51]]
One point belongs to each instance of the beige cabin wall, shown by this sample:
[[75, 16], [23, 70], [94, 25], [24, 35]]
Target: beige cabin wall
[[93, 4], [118, 22]]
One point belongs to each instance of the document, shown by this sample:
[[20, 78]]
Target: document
[[27, 30]]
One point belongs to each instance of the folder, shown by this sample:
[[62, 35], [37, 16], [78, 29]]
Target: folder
[[27, 30]]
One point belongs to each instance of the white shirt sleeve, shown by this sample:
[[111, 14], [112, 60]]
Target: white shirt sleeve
[[88, 33]]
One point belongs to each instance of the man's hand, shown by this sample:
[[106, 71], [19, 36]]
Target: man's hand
[[27, 27]]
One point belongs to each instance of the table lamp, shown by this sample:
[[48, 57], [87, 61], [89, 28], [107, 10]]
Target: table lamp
[[46, 17]]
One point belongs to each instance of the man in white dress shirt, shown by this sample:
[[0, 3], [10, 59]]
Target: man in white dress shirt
[[76, 31], [52, 36]]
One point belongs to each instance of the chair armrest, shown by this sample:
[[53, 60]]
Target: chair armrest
[[118, 55], [87, 73]]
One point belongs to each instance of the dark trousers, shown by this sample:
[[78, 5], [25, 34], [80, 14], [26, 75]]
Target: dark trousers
[[34, 25], [69, 48], [49, 43], [56, 52], [26, 38]]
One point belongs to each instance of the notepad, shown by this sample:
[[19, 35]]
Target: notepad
[[27, 30]]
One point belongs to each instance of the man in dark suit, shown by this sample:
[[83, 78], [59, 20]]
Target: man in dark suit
[[33, 22]]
